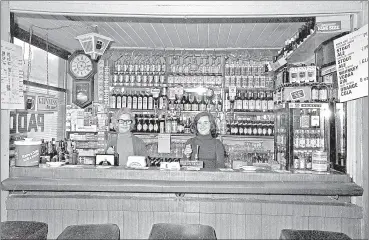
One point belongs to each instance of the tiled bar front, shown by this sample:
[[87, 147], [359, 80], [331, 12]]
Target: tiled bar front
[[234, 215]]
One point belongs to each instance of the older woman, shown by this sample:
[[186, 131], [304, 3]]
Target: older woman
[[211, 150], [123, 141]]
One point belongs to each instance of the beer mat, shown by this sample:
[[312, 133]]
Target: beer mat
[[55, 164], [226, 169], [192, 168], [138, 168]]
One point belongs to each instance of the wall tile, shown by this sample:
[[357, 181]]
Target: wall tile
[[161, 217], [12, 215], [70, 217], [192, 206], [300, 210], [207, 207], [24, 215], [316, 223], [272, 225], [100, 217], [117, 217], [85, 217], [146, 220], [300, 222], [223, 225], [130, 224], [192, 218], [144, 205], [317, 210], [332, 224], [160, 205], [208, 219], [351, 227], [253, 227], [239, 226], [223, 207]]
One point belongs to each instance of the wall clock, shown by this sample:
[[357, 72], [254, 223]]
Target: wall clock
[[81, 66]]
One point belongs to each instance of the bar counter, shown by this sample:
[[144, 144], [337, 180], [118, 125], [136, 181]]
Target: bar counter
[[256, 205]]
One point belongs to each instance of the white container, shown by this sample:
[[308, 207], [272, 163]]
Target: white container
[[319, 161], [27, 153]]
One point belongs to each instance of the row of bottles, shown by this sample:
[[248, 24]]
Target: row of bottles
[[195, 81], [313, 138], [251, 101], [249, 82], [318, 93], [64, 151], [298, 75], [134, 100], [146, 123], [196, 102], [307, 118], [296, 40], [195, 65], [133, 80], [143, 65], [245, 67], [303, 160], [250, 127]]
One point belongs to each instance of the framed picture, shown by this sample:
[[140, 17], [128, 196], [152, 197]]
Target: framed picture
[[83, 92]]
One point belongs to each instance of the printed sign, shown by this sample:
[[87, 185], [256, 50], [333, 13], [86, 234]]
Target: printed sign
[[351, 53], [25, 122], [30, 102], [297, 94], [232, 92], [330, 26], [47, 103], [11, 76]]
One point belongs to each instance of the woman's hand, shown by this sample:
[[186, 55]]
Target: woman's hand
[[110, 150]]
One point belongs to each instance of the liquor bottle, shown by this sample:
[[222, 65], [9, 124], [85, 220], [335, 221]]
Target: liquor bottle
[[219, 104], [202, 104], [187, 103], [252, 101], [270, 101], [264, 101], [257, 101], [304, 119], [123, 100], [227, 68], [227, 104], [238, 102], [245, 102], [139, 101], [150, 123], [197, 158], [129, 100], [302, 142], [260, 128], [183, 102], [156, 124], [150, 102], [240, 128], [161, 124], [113, 100], [145, 123], [163, 99], [187, 127], [195, 104], [139, 123], [296, 138], [315, 118], [254, 128], [119, 100], [134, 101], [144, 101], [323, 94]]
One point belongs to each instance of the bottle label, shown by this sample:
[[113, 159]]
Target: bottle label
[[139, 127], [260, 131], [119, 102], [258, 105], [270, 105], [255, 131], [252, 104], [144, 127], [249, 130], [264, 105], [264, 131], [150, 103], [112, 102], [240, 130], [302, 143], [270, 131], [139, 103], [151, 127], [245, 105], [124, 101], [315, 120], [144, 103]]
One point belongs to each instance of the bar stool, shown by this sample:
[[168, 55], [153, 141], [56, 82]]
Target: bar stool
[[23, 230], [91, 231], [181, 231], [312, 235]]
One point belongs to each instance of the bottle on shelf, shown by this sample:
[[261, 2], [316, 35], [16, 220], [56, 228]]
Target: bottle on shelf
[[113, 100]]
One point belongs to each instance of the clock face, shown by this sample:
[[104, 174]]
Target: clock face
[[81, 66]]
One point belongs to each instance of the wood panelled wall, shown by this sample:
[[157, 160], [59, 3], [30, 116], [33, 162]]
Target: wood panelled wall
[[249, 217]]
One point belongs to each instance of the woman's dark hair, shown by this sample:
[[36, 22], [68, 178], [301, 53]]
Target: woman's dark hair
[[213, 125]]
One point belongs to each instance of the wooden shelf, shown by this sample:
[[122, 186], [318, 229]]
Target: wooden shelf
[[195, 74], [251, 113]]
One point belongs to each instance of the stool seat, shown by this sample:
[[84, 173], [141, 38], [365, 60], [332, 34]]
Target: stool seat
[[91, 231], [312, 235], [23, 230], [181, 231]]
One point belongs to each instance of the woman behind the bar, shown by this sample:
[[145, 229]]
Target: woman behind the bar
[[123, 141], [211, 150]]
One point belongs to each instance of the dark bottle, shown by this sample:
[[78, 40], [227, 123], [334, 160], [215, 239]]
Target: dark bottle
[[156, 124], [219, 104], [202, 104], [113, 100], [245, 103], [183, 102], [116, 157], [187, 127], [187, 105], [144, 101], [139, 101], [119, 100], [252, 99], [257, 101], [129, 100], [145, 124], [163, 99], [195, 104], [139, 123], [264, 101], [150, 102], [134, 101], [151, 124], [197, 158], [124, 100]]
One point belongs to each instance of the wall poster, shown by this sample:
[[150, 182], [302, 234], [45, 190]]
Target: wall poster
[[11, 76]]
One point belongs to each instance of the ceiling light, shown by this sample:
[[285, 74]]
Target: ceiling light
[[94, 44]]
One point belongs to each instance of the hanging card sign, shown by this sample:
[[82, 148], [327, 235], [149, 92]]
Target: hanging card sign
[[329, 26], [11, 76], [351, 53], [47, 103]]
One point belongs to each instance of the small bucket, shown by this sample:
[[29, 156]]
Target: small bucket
[[27, 153]]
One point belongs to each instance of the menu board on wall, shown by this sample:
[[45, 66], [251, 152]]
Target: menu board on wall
[[11, 76], [351, 53]]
